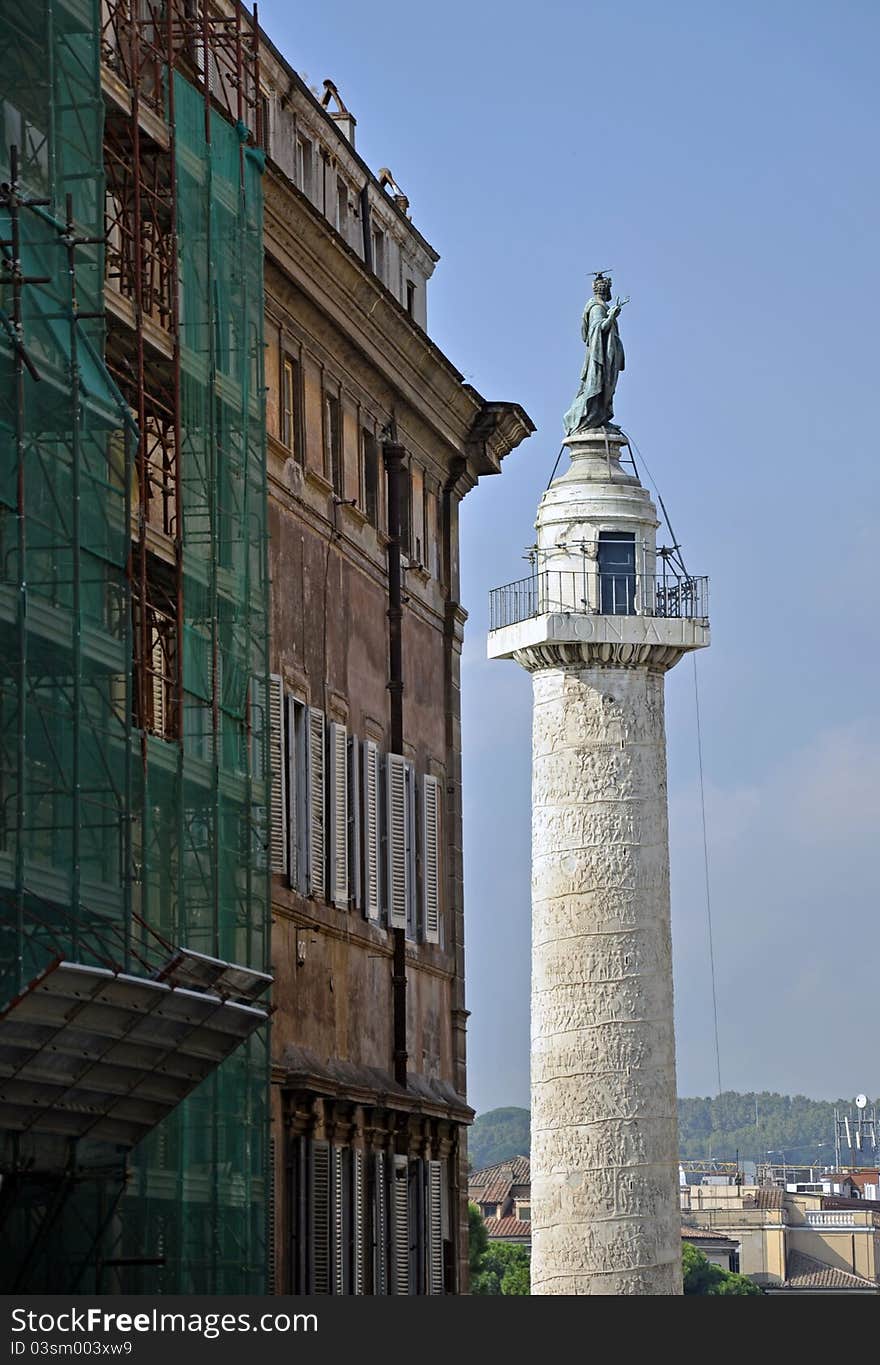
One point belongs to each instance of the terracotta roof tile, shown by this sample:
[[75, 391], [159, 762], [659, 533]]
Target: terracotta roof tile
[[805, 1272], [515, 1171], [493, 1194], [768, 1197], [691, 1234], [508, 1227]]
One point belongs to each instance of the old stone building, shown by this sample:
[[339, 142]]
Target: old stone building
[[369, 425]]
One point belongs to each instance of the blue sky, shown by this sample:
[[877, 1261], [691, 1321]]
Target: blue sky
[[721, 159]]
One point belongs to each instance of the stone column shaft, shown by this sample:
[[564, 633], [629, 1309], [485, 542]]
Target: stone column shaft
[[605, 1216]]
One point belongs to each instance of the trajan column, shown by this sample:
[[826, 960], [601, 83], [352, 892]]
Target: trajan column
[[599, 622]]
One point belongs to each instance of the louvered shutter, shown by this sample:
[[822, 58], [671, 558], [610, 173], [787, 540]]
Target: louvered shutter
[[400, 1283], [159, 718], [338, 753], [271, 1223], [338, 1220], [372, 889], [395, 834], [380, 1225], [411, 878], [293, 796], [431, 860], [278, 785], [434, 1222], [319, 1218], [354, 823], [317, 815], [359, 1223]]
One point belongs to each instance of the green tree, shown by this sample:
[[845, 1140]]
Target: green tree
[[701, 1276], [477, 1239], [496, 1267]]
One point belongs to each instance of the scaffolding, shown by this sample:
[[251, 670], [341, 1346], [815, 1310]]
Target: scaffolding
[[134, 784]]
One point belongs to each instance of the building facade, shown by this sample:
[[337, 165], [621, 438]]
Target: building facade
[[373, 440], [230, 467]]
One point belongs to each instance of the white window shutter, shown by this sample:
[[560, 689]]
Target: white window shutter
[[380, 1225], [319, 1217], [395, 832], [354, 822], [431, 859], [372, 895], [359, 1221], [338, 751], [400, 1222], [317, 815], [434, 1222], [294, 796], [278, 816], [411, 878], [338, 1220]]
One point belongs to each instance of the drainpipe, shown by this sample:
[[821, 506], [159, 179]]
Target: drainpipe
[[366, 227], [393, 454]]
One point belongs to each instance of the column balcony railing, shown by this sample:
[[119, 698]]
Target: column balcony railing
[[589, 592]]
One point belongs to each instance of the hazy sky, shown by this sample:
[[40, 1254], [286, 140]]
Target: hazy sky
[[721, 158]]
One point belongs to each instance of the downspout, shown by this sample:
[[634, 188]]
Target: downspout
[[393, 454], [365, 226]]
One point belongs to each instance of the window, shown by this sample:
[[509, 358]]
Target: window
[[411, 298], [372, 889], [396, 844], [338, 803], [333, 443], [617, 573], [342, 208], [305, 798], [366, 1221], [290, 405], [417, 513], [304, 161], [371, 477], [265, 130], [405, 510], [431, 859], [277, 780], [379, 253]]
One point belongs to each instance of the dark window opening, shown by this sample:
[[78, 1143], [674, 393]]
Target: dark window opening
[[410, 298], [617, 573], [371, 478], [405, 510]]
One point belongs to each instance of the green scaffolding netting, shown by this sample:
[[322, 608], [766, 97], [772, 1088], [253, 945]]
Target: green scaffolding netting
[[107, 834]]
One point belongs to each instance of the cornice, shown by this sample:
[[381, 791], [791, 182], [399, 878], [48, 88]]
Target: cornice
[[306, 250]]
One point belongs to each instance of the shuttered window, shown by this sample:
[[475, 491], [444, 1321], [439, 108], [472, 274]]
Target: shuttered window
[[337, 751], [316, 803], [277, 777], [339, 1220], [379, 1212], [431, 859], [355, 872], [410, 843], [319, 1218], [400, 1242], [396, 824], [297, 794], [371, 890], [434, 1227], [358, 1223]]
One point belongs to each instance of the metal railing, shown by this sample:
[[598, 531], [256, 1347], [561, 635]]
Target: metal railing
[[599, 594]]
